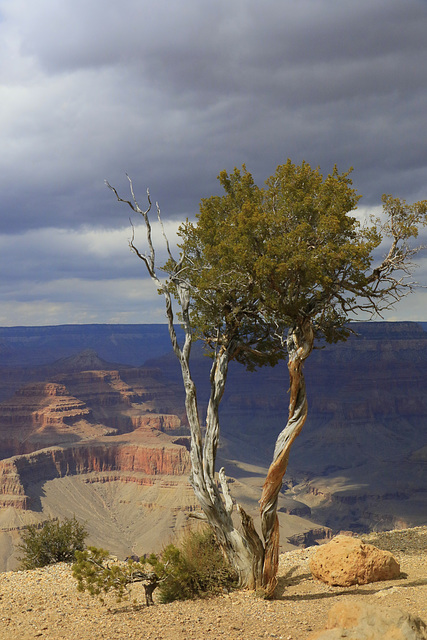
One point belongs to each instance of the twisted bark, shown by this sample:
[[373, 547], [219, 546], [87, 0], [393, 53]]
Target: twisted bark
[[299, 345], [244, 547]]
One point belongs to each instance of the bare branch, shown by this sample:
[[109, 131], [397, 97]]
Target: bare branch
[[198, 516], [163, 233], [225, 491]]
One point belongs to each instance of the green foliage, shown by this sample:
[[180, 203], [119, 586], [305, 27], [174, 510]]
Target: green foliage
[[402, 218], [98, 574], [53, 542], [261, 260], [195, 570]]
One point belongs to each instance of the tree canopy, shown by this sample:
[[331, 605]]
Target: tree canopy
[[259, 260]]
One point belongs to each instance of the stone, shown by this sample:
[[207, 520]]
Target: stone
[[345, 561], [359, 621]]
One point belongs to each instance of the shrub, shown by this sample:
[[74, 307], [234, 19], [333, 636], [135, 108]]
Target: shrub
[[97, 573], [53, 542], [195, 570]]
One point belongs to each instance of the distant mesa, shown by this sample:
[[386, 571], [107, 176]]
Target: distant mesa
[[87, 360]]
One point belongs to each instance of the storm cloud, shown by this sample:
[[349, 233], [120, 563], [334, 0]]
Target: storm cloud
[[172, 93]]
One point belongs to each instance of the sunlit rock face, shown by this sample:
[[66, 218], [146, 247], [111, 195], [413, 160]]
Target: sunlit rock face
[[89, 421], [69, 434], [135, 455], [346, 561]]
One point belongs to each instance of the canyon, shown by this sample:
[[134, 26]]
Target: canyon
[[106, 443], [82, 434]]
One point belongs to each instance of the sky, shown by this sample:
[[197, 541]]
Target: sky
[[172, 92]]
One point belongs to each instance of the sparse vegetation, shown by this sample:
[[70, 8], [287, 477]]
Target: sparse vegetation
[[52, 542], [98, 573], [196, 569]]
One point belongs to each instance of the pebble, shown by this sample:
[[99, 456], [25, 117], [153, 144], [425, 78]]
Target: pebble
[[45, 603]]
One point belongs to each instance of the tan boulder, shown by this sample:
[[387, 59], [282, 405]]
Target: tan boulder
[[359, 621], [345, 561]]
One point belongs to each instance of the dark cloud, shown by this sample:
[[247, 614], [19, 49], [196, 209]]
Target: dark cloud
[[172, 93]]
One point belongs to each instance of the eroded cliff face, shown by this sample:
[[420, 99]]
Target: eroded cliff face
[[44, 414], [89, 422], [77, 441], [359, 462], [104, 424], [128, 457], [85, 405]]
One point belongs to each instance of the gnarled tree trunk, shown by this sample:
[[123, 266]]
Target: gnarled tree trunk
[[244, 548], [299, 344]]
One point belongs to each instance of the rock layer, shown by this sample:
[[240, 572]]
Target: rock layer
[[133, 454]]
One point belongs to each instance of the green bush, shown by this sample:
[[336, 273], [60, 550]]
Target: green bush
[[195, 570], [52, 542], [98, 573]]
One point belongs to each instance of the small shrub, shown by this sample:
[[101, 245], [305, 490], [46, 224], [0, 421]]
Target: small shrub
[[53, 542], [195, 570], [97, 573]]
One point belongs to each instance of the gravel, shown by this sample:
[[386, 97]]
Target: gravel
[[44, 603]]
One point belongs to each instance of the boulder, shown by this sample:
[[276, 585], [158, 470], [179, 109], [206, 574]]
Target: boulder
[[345, 561], [359, 621]]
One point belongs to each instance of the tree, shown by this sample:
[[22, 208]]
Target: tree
[[263, 273], [52, 542]]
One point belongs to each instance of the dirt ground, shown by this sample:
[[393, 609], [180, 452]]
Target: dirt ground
[[44, 603]]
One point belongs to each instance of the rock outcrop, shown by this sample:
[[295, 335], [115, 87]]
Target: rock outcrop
[[311, 537], [345, 561], [90, 422], [44, 414], [358, 621], [134, 453], [78, 406]]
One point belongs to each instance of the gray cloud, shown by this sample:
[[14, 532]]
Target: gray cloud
[[174, 92]]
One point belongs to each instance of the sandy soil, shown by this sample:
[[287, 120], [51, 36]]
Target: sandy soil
[[44, 603]]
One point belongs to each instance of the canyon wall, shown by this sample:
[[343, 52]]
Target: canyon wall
[[18, 473], [109, 441]]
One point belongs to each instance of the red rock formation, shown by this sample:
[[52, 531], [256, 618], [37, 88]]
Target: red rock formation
[[44, 414], [52, 429], [80, 406], [345, 561], [161, 422], [12, 492], [133, 454]]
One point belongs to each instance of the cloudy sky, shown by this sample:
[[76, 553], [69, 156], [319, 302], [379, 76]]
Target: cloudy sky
[[172, 92]]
